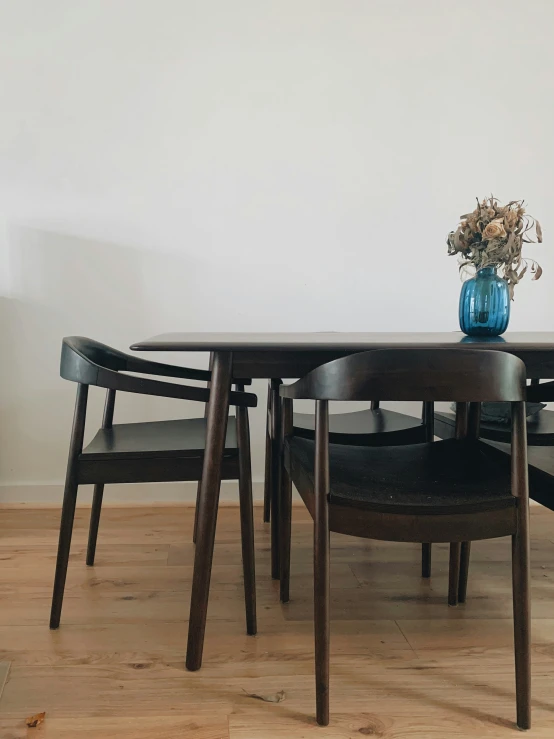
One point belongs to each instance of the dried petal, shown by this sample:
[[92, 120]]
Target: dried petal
[[277, 698], [35, 720]]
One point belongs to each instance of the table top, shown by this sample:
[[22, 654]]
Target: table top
[[526, 341]]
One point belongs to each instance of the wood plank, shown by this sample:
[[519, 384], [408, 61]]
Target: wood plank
[[398, 687], [424, 723], [423, 635], [272, 651], [122, 554], [101, 727], [89, 581], [403, 664], [4, 670]]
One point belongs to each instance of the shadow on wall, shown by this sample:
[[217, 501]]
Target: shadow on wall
[[61, 285]]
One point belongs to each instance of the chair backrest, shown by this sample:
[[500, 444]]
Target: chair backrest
[[89, 362], [81, 358], [462, 375]]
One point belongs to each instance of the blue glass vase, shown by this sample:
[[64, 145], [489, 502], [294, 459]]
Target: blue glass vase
[[485, 304]]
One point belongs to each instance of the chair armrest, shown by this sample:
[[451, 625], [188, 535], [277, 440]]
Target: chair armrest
[[146, 367], [129, 384]]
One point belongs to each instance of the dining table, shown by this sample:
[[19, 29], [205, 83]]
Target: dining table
[[248, 355]]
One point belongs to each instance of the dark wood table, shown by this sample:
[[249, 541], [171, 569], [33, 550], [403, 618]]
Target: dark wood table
[[291, 355]]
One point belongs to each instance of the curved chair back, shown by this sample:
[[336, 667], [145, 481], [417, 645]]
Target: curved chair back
[[81, 358], [462, 375], [89, 362]]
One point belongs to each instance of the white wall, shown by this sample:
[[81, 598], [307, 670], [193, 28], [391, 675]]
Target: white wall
[[205, 165]]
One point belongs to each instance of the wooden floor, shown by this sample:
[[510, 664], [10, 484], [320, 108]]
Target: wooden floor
[[403, 663]]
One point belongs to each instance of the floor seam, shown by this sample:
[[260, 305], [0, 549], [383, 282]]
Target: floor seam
[[407, 640]]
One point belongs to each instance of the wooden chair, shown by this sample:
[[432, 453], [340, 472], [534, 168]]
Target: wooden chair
[[159, 451], [373, 426], [454, 491]]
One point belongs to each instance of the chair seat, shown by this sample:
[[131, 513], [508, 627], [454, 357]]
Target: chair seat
[[540, 428], [368, 427], [433, 478], [156, 439]]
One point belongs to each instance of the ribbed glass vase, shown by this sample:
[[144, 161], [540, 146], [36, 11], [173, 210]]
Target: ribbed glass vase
[[485, 304]]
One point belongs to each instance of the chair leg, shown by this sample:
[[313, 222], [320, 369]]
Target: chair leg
[[94, 523], [426, 560], [522, 622], [285, 509], [247, 520], [267, 476], [64, 545], [322, 564], [195, 529], [321, 623], [521, 574], [428, 418], [275, 475], [69, 502], [454, 573], [285, 534], [107, 423], [464, 570]]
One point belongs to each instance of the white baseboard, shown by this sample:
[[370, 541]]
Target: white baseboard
[[163, 493]]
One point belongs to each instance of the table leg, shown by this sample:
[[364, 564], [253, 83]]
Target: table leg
[[276, 441], [216, 428], [195, 529]]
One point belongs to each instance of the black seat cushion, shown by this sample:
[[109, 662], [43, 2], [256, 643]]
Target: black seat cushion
[[181, 438], [368, 427], [440, 477]]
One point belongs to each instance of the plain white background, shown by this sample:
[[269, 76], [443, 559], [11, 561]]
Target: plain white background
[[248, 165]]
